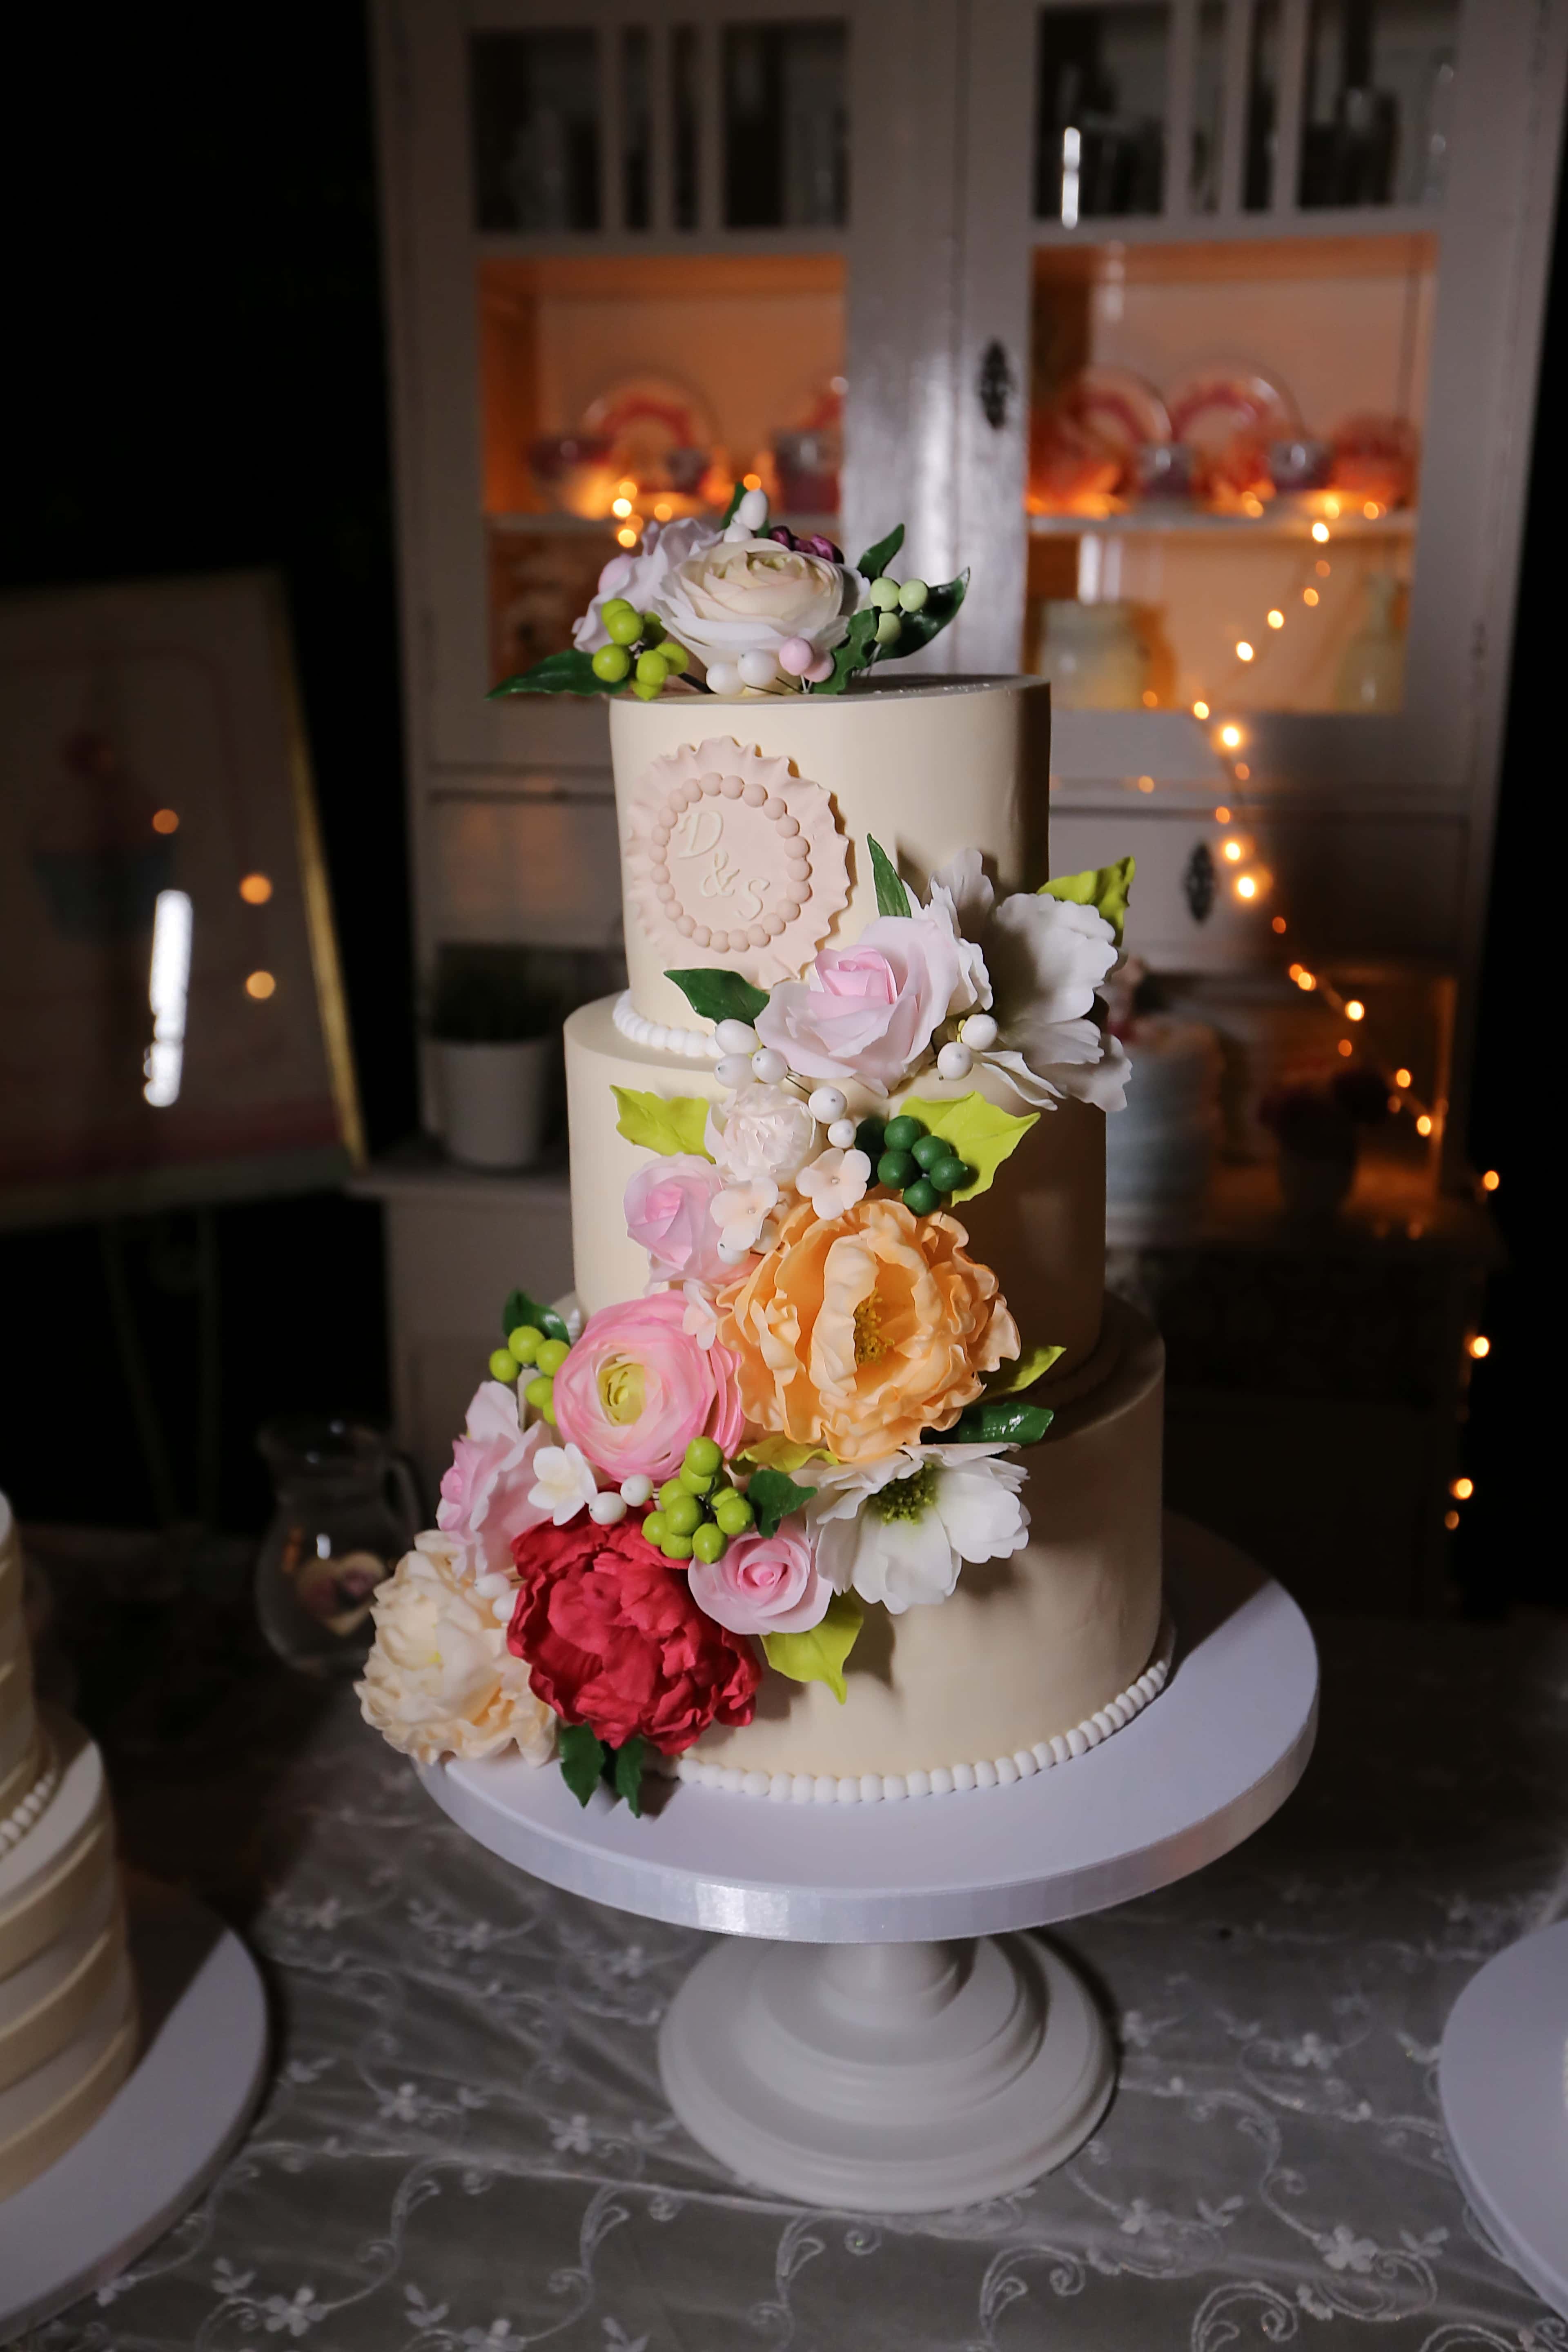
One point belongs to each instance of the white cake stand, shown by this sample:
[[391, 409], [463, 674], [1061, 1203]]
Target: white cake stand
[[170, 2126], [1502, 2079], [880, 2050]]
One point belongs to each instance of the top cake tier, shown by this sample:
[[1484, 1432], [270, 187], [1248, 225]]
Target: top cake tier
[[743, 824]]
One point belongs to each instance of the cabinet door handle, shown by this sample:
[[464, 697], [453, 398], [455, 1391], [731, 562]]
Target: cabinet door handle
[[995, 385], [1198, 884]]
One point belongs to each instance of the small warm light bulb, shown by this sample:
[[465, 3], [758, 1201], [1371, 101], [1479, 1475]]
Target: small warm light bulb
[[165, 821], [1319, 532], [1402, 1078], [1450, 1520], [1346, 1048], [1280, 925], [1372, 509], [1309, 595], [1323, 568], [1305, 982], [1145, 783], [1462, 1489], [1230, 736], [1200, 711], [1233, 851], [1331, 507], [260, 984], [1245, 886], [1251, 503], [663, 510], [256, 889], [1355, 1010], [1243, 650], [1295, 970], [1424, 1124], [1222, 817], [627, 535], [750, 481], [1491, 1180], [1480, 1346], [621, 507], [1151, 700], [1242, 772], [1277, 619], [626, 487], [1395, 1103]]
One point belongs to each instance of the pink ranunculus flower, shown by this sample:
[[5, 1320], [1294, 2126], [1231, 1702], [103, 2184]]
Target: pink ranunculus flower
[[868, 1012], [484, 1494], [764, 1585], [668, 1213], [636, 1388]]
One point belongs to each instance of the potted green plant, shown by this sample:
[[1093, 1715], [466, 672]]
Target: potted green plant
[[493, 1043]]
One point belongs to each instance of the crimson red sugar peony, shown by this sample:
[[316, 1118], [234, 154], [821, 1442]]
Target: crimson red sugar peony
[[613, 1638]]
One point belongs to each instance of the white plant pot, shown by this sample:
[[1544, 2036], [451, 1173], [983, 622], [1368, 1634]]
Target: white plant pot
[[492, 1100]]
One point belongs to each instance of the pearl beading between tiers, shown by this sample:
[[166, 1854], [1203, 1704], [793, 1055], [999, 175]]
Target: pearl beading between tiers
[[796, 856], [662, 1036], [20, 1819], [943, 1780]]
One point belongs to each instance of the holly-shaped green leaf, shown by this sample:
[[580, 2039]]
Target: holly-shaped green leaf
[[719, 995], [567, 672], [520, 1308], [661, 1123], [915, 630], [876, 560], [892, 895], [855, 653], [773, 1497], [1106, 888], [819, 1657], [583, 1756], [1032, 1366], [981, 1134], [625, 1772], [1004, 1421]]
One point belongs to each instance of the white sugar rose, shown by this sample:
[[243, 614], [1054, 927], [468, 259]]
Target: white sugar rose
[[767, 1132], [440, 1680], [753, 595], [640, 577]]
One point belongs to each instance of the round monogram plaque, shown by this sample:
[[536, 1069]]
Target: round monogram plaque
[[733, 860]]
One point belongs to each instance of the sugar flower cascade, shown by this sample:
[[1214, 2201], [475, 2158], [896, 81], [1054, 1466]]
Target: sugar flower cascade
[[817, 1408]]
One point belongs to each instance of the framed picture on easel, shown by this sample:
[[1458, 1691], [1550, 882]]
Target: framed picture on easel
[[173, 1028]]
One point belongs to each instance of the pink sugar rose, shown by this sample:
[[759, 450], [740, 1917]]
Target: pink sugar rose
[[636, 1388], [667, 1213], [867, 1011], [763, 1584], [484, 1494]]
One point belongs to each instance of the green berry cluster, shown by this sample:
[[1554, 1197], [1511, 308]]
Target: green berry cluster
[[527, 1346], [908, 1158], [889, 600], [638, 649], [697, 1512]]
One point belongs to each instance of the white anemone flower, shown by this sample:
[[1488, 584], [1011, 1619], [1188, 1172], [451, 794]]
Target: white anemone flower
[[1045, 959], [835, 1180], [741, 1211], [565, 1482], [899, 1530]]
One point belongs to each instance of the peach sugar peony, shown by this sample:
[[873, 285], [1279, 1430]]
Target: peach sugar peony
[[859, 1331]]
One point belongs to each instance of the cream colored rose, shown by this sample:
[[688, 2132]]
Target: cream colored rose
[[752, 595], [440, 1680]]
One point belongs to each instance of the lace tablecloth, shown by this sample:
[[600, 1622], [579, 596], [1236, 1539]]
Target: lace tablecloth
[[465, 2148]]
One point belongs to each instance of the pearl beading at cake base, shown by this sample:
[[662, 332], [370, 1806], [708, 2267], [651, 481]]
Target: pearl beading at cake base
[[663, 1037], [944, 1779], [20, 1819]]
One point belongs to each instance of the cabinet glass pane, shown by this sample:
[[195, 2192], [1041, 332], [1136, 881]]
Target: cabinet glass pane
[[1260, 162], [1224, 468], [786, 134], [534, 99], [636, 128], [1100, 131], [1208, 102], [683, 75], [1378, 102]]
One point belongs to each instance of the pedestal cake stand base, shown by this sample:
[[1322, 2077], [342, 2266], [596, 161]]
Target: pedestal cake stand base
[[895, 2045]]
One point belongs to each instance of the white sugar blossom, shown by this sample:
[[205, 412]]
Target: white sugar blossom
[[899, 1529], [440, 1680], [1045, 959], [563, 1482], [741, 1211], [640, 577], [766, 1131], [835, 1180], [700, 1321]]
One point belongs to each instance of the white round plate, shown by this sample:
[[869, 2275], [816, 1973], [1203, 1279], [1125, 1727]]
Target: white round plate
[[1502, 2079], [1200, 1770], [168, 2128]]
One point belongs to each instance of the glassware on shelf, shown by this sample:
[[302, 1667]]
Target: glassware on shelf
[[1093, 655], [1298, 463], [1376, 102], [534, 99], [1100, 131], [785, 124], [1375, 459], [1165, 469], [1371, 676], [346, 1511]]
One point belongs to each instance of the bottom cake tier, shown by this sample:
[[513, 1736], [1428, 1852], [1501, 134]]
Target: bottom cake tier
[[1047, 1651]]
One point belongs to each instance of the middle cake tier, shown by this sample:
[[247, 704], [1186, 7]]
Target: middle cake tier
[[1041, 1225]]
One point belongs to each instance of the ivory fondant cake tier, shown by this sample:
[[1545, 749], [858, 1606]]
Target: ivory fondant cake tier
[[837, 1473]]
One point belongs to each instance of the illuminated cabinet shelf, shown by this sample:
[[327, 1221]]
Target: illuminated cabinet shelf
[[1155, 522]]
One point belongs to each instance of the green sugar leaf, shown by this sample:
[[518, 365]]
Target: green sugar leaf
[[856, 652], [981, 1134], [567, 672], [625, 1772], [892, 896], [665, 1124], [520, 1308], [772, 1452], [736, 495], [1032, 1365], [583, 1756], [819, 1657], [773, 1497], [999, 1422], [719, 995], [918, 629], [1106, 888], [876, 560]]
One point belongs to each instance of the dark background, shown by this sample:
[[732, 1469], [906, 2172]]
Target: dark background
[[197, 369]]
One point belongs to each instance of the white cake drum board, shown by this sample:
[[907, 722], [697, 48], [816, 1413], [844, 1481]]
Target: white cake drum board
[[895, 2063], [174, 2120], [1502, 2080]]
